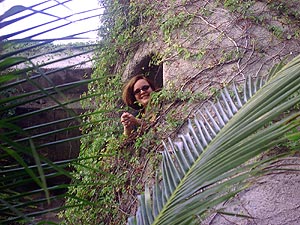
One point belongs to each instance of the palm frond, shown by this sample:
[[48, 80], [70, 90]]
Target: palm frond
[[200, 168], [30, 68]]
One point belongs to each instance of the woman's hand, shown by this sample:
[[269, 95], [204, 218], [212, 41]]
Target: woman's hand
[[129, 122]]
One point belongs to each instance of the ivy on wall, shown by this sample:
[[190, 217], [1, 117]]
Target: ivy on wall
[[111, 182]]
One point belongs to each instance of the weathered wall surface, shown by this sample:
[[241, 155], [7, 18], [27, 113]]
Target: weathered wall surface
[[216, 46], [59, 78], [271, 200], [212, 47]]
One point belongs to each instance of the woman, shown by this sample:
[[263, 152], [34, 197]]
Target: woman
[[136, 94]]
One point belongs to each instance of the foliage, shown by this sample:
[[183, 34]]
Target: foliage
[[112, 182], [29, 92], [206, 165], [238, 6], [284, 10], [115, 180], [172, 22], [106, 176]]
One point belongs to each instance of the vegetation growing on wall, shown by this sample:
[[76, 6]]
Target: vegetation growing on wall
[[112, 181], [113, 169]]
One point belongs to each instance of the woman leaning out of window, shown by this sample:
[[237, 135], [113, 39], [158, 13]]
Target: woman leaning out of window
[[136, 94]]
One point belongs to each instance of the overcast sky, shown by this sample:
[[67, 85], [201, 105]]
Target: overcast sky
[[72, 6]]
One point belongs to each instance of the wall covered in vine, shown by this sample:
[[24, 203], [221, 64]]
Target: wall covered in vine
[[195, 48]]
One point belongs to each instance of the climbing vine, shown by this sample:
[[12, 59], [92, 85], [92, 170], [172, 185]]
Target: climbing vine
[[112, 181], [120, 166]]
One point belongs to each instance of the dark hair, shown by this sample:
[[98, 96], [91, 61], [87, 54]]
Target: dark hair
[[128, 95]]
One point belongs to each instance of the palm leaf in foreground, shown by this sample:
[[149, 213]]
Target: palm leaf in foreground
[[29, 79], [200, 169]]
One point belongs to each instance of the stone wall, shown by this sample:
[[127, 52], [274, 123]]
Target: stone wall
[[217, 46], [214, 46]]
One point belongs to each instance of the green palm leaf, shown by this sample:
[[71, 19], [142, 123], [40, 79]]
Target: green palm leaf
[[201, 167], [25, 172]]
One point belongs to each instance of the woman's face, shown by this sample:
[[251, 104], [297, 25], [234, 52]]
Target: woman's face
[[142, 90]]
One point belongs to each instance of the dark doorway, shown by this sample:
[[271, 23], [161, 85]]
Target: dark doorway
[[150, 67]]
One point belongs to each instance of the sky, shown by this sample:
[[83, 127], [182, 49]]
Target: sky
[[71, 7]]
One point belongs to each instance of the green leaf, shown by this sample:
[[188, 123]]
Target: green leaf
[[24, 171], [211, 158], [12, 61]]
